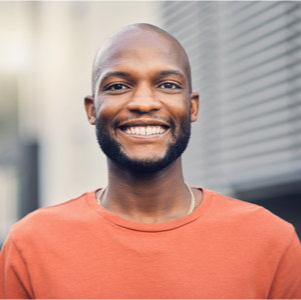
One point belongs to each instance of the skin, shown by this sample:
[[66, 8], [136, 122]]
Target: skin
[[133, 85]]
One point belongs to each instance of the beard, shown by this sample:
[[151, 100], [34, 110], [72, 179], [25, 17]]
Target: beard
[[113, 150]]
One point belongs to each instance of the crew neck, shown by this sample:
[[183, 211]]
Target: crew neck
[[149, 227]]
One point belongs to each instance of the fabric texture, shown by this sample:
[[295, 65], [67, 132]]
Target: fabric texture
[[225, 248]]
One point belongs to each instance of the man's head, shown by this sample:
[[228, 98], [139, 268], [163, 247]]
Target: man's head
[[142, 103]]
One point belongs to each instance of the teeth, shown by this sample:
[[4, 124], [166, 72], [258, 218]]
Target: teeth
[[145, 130]]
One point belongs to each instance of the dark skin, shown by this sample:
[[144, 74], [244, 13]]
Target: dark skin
[[144, 82]]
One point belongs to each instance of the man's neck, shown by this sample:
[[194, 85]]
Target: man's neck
[[148, 198]]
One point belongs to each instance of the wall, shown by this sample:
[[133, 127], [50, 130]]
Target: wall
[[48, 150]]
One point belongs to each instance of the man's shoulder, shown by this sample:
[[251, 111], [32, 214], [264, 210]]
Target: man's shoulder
[[249, 216], [51, 218]]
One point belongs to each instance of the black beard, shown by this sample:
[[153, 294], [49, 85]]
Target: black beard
[[112, 148]]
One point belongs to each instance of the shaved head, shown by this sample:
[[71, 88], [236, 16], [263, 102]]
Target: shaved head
[[128, 36]]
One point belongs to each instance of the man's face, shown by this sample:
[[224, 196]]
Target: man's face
[[142, 105]]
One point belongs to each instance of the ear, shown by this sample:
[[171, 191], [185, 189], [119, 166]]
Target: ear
[[89, 106], [194, 107]]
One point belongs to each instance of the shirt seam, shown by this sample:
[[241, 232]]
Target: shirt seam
[[26, 267], [281, 259]]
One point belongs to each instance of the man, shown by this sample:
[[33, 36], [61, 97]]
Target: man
[[148, 234]]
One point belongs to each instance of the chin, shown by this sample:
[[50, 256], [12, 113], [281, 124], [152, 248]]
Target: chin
[[145, 164]]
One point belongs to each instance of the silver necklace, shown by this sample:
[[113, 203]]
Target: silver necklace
[[192, 199]]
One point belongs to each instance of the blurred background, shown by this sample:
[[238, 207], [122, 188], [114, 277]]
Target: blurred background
[[246, 65]]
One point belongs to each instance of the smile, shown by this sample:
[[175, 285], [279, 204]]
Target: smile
[[145, 130], [144, 127]]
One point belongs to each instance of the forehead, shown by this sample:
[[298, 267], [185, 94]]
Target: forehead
[[144, 48]]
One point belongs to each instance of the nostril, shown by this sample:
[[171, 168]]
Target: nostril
[[144, 105]]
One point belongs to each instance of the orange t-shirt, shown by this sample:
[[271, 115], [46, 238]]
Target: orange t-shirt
[[225, 248]]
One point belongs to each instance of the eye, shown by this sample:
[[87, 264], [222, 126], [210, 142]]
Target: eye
[[169, 85], [116, 87]]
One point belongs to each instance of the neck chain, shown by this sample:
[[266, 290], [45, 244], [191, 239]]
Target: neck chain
[[192, 199]]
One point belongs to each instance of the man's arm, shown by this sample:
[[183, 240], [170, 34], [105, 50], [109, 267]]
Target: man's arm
[[287, 280], [14, 278]]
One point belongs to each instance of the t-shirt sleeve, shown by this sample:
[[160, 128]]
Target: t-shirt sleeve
[[287, 280], [14, 278]]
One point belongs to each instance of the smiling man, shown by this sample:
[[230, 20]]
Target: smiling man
[[148, 234]]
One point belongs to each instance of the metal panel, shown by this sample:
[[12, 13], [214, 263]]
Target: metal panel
[[246, 64]]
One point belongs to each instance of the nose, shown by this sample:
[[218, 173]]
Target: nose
[[144, 100]]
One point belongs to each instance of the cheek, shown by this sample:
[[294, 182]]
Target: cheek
[[179, 110], [106, 109]]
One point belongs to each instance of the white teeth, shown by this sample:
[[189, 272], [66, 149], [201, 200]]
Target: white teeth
[[145, 130]]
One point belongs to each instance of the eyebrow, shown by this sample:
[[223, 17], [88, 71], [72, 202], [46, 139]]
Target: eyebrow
[[112, 74], [172, 72]]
